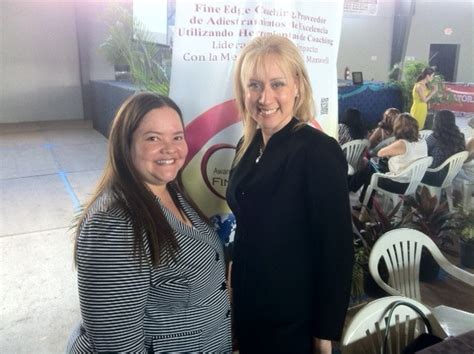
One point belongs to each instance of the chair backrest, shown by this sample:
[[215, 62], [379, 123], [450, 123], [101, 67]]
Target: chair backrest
[[365, 332], [468, 132], [353, 151], [455, 163], [382, 144], [401, 251], [414, 173], [425, 133]]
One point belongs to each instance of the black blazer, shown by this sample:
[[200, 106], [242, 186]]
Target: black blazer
[[293, 251]]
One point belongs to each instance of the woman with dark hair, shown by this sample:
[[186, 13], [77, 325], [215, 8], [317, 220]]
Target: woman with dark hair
[[445, 141], [421, 95], [151, 271], [352, 127], [384, 128]]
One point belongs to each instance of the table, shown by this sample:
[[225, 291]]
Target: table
[[453, 321], [463, 344]]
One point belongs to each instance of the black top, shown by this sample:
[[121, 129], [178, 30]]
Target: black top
[[293, 250]]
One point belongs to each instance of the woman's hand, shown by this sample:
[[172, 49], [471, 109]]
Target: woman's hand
[[322, 346]]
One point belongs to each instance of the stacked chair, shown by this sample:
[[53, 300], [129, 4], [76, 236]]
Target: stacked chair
[[365, 333], [400, 249]]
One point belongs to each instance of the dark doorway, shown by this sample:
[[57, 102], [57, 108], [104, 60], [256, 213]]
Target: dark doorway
[[445, 58]]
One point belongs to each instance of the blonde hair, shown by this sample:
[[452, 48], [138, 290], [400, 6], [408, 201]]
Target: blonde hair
[[251, 58]]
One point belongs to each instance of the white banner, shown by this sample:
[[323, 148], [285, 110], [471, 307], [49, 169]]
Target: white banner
[[208, 35]]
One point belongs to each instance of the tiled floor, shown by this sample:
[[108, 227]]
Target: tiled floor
[[47, 170]]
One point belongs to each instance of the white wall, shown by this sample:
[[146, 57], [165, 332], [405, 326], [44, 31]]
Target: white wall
[[429, 21], [365, 37], [92, 31], [39, 66]]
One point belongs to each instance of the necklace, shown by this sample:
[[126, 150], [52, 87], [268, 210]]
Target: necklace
[[260, 153]]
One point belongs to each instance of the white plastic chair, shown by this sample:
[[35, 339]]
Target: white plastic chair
[[353, 151], [468, 132], [454, 163], [365, 332], [412, 175], [350, 170], [425, 133], [401, 251]]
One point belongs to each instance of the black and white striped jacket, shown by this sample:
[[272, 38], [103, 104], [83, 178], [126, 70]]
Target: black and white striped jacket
[[130, 306]]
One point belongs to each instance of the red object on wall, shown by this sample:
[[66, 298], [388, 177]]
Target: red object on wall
[[464, 96]]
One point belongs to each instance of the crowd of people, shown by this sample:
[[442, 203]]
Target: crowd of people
[[151, 268], [396, 143]]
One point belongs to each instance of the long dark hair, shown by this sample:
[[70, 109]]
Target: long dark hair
[[126, 187], [447, 133], [352, 118], [426, 72]]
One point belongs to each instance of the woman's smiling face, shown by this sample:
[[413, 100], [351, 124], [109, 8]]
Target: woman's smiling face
[[158, 148], [270, 95]]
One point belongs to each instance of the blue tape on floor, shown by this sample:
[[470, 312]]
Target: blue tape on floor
[[75, 201]]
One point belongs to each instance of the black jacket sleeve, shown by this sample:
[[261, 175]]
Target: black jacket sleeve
[[328, 200]]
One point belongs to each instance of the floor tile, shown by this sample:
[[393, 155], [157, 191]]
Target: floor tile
[[41, 305], [26, 161], [32, 138], [34, 204], [74, 137], [84, 157], [8, 128], [83, 183], [65, 124]]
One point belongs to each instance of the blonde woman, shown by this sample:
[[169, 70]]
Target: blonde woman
[[288, 191]]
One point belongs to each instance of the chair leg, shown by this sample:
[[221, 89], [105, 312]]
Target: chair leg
[[467, 190], [397, 199], [367, 196], [449, 197], [435, 192]]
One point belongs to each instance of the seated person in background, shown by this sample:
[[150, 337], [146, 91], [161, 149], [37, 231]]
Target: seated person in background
[[384, 129], [467, 171], [445, 141], [352, 127], [401, 153], [429, 121]]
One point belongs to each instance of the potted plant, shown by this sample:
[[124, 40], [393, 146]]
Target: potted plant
[[129, 46], [434, 220], [117, 45], [368, 233], [466, 244], [464, 222]]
